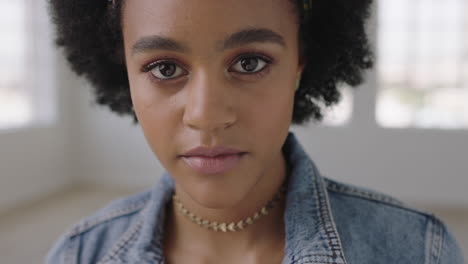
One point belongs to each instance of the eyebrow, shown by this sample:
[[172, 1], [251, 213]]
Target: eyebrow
[[237, 39]]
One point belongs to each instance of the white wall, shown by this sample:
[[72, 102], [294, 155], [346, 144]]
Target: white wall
[[36, 161]]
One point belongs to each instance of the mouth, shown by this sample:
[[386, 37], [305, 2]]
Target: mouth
[[213, 165], [211, 152]]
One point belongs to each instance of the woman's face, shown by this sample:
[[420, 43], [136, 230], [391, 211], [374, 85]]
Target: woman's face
[[213, 73]]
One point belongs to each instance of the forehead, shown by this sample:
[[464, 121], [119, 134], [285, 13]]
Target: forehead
[[198, 22]]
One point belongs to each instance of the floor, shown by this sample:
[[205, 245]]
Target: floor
[[35, 228]]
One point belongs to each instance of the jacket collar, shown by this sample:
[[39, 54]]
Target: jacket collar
[[311, 234]]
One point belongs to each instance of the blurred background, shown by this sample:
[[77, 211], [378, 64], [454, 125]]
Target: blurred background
[[403, 132]]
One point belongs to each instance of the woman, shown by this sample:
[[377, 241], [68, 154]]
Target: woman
[[215, 86]]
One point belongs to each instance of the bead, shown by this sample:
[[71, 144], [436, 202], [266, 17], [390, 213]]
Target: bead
[[256, 216], [214, 226], [222, 227], [232, 227]]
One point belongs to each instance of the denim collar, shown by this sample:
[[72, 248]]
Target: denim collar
[[311, 234]]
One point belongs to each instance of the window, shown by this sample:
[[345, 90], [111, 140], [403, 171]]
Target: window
[[423, 63], [27, 64]]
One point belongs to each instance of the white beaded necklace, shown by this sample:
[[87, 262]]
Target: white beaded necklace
[[233, 226]]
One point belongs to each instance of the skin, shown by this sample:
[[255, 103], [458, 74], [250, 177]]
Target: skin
[[211, 101]]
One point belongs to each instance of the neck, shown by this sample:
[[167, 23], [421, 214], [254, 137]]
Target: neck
[[266, 232]]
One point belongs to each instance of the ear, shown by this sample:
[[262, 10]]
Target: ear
[[299, 74], [298, 77], [300, 68]]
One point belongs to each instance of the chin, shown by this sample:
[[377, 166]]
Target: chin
[[214, 196]]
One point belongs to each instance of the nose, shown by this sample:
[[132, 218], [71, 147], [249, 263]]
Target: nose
[[209, 105]]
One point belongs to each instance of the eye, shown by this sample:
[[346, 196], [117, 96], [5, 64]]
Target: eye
[[164, 70], [251, 64]]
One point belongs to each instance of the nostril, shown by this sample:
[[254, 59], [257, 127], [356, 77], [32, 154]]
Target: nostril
[[209, 108], [228, 125], [209, 121]]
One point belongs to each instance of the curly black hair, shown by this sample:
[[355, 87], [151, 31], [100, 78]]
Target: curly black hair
[[331, 36]]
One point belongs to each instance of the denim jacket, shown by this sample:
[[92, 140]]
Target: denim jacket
[[325, 222]]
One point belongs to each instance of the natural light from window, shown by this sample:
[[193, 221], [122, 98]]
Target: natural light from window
[[15, 106], [27, 67], [423, 63]]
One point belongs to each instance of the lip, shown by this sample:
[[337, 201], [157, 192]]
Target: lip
[[213, 160], [211, 152]]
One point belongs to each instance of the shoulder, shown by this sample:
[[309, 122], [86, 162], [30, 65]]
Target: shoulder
[[98, 231], [116, 210], [377, 225]]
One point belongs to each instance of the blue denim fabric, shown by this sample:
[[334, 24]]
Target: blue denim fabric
[[326, 222]]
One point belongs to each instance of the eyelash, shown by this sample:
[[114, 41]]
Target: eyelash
[[268, 61]]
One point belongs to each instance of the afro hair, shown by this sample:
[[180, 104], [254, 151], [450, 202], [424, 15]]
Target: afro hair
[[331, 35]]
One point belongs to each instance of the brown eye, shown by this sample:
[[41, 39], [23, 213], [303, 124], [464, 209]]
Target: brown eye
[[250, 64], [165, 70]]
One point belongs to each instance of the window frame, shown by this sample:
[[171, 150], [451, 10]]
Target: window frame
[[40, 69]]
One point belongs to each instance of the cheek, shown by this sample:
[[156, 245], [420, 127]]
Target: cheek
[[143, 96], [157, 117], [272, 109]]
